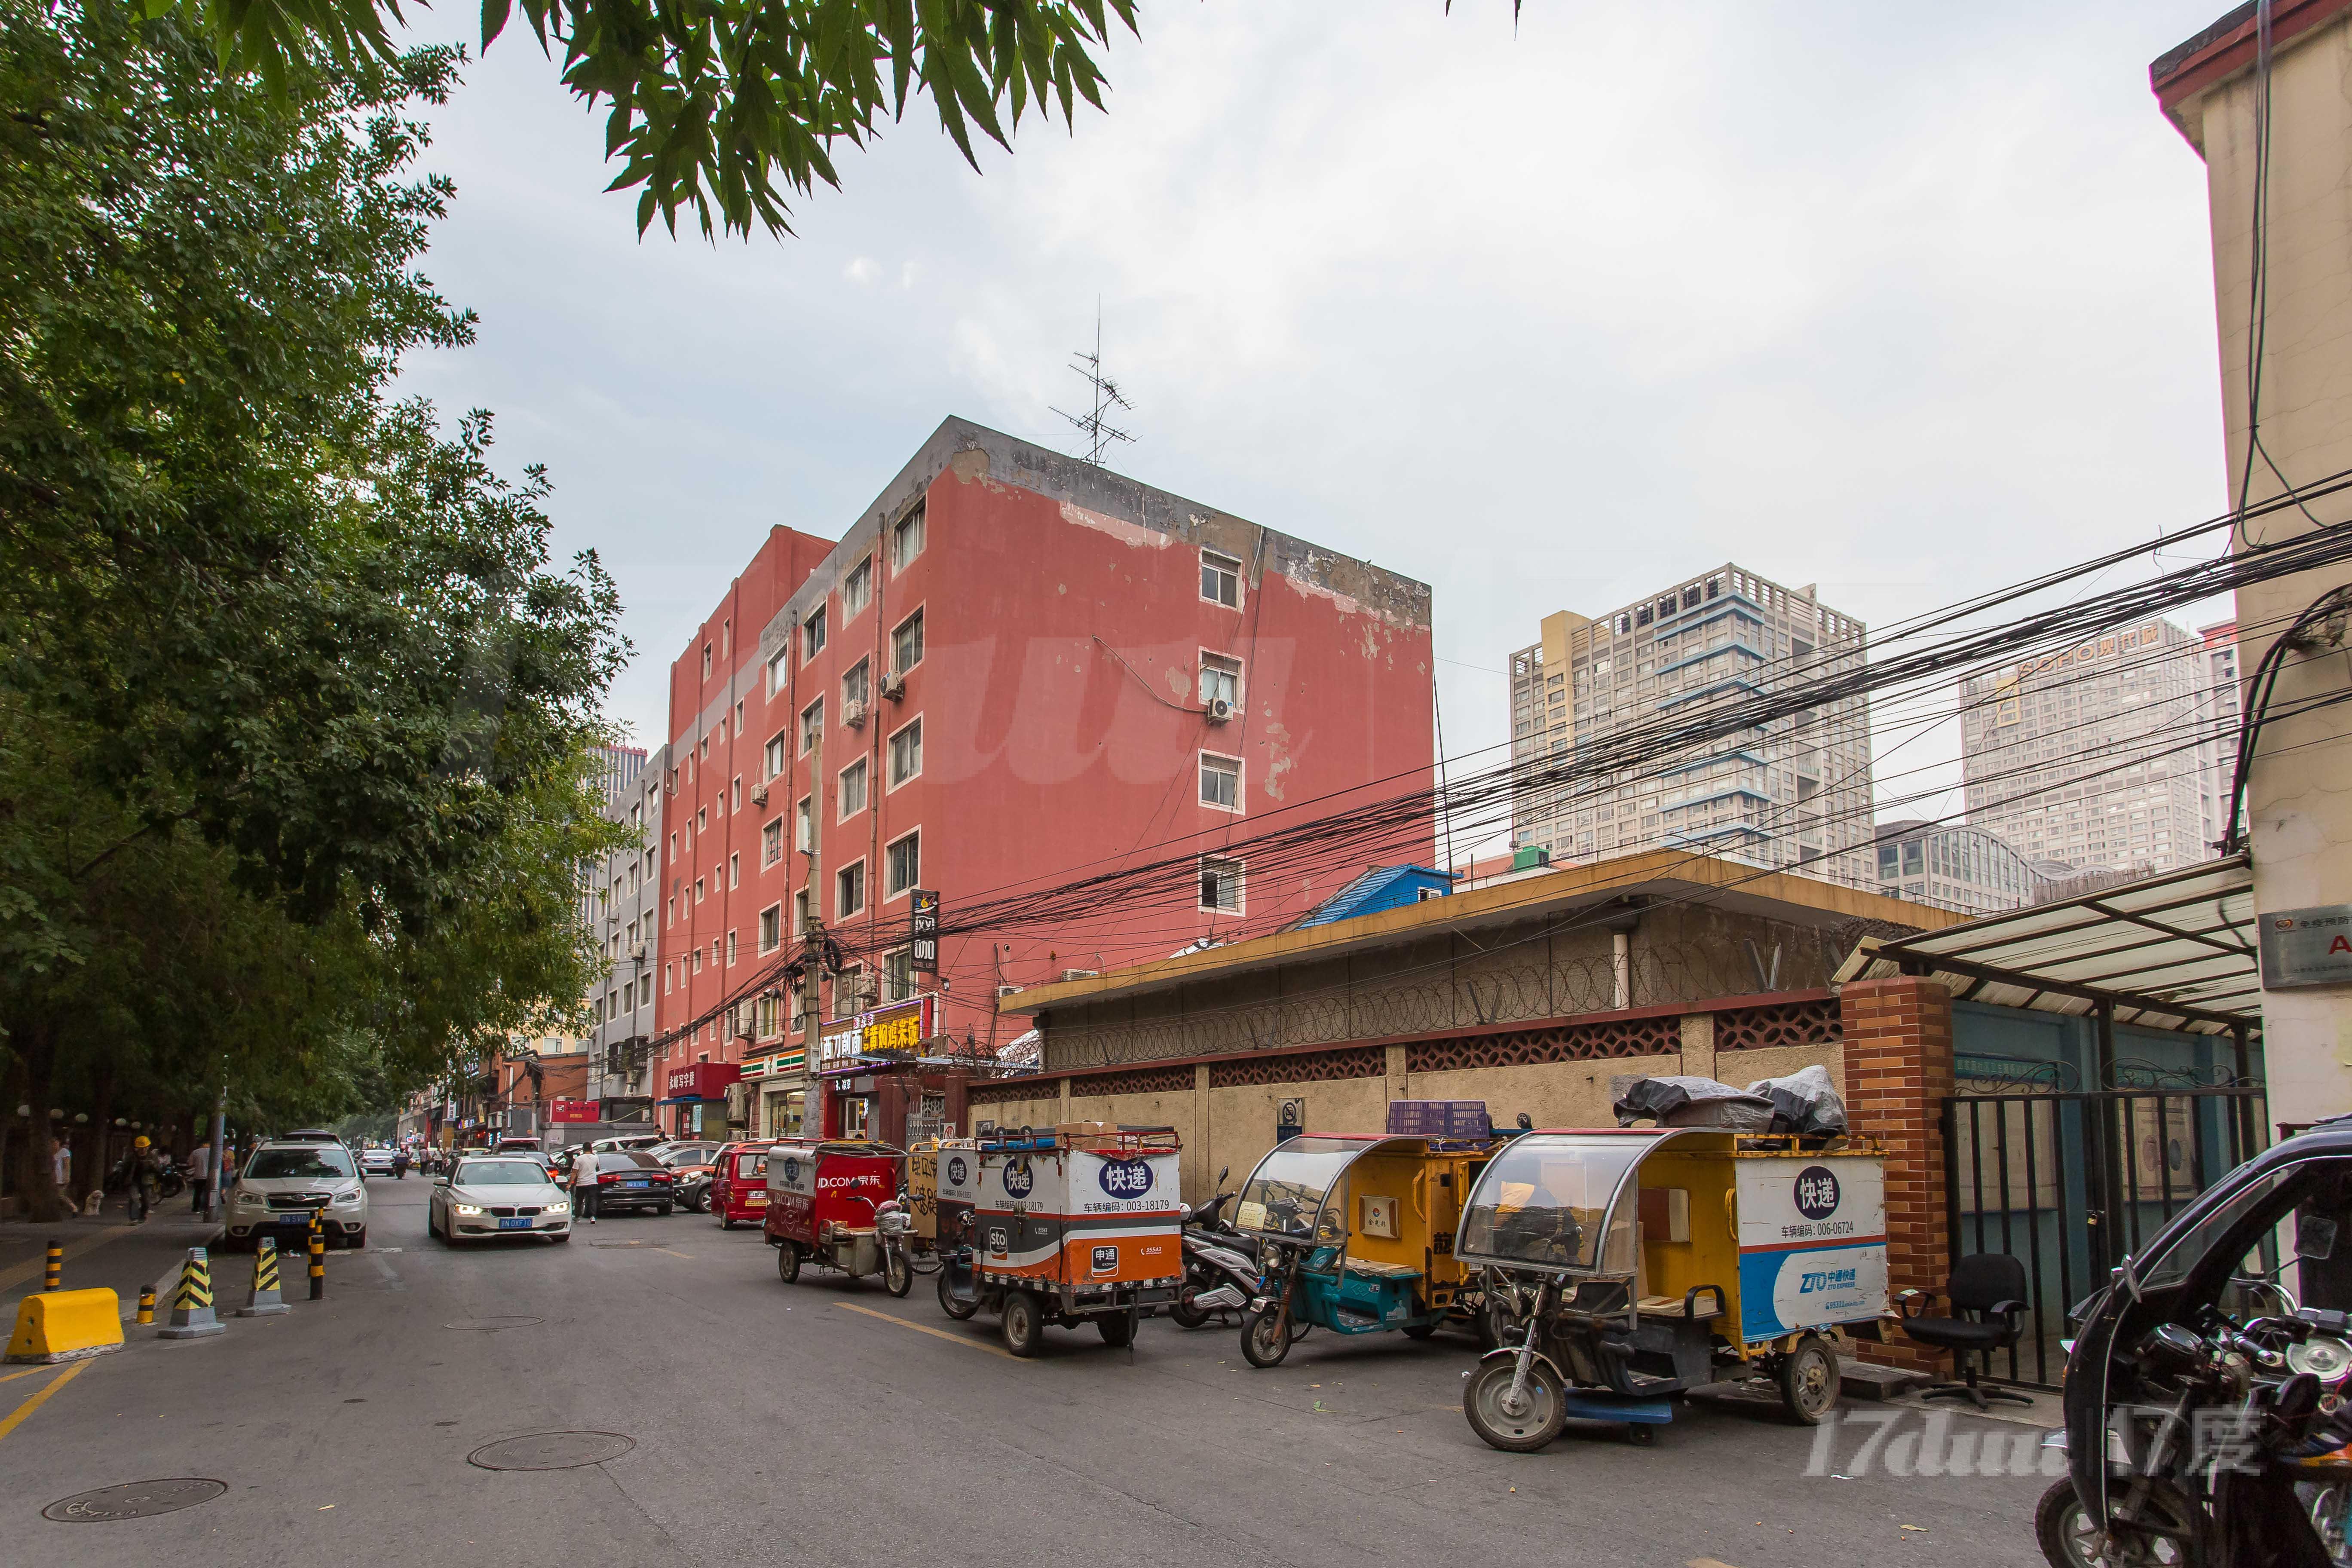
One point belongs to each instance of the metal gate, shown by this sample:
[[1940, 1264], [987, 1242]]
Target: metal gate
[[2070, 1183]]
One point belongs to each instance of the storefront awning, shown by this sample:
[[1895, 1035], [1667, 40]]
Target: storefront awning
[[2172, 952]]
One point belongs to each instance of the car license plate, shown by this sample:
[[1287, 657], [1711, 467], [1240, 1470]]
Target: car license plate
[[636, 1183], [521, 1222], [757, 1198]]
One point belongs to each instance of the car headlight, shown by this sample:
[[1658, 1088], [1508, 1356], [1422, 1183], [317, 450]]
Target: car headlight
[[474, 1209], [559, 1206], [246, 1199], [347, 1198]]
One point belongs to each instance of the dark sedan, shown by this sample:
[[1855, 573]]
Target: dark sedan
[[628, 1180], [690, 1166]]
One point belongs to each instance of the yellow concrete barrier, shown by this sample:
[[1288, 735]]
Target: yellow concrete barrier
[[66, 1325]]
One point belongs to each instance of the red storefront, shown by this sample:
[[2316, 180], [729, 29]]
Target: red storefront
[[696, 1096]]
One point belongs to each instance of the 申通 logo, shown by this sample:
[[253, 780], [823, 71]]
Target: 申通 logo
[[998, 1241], [1105, 1259], [1817, 1192]]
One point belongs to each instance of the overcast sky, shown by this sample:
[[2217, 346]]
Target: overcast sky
[[1905, 302]]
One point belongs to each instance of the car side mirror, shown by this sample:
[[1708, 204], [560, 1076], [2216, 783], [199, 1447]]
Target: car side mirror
[[440, 1181]]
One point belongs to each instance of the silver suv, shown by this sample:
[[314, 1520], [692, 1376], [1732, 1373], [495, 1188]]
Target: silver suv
[[284, 1182]]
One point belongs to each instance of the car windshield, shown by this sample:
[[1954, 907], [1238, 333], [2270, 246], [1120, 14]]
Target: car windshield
[[749, 1166], [1543, 1200], [1287, 1190], [499, 1174], [691, 1156], [312, 1159]]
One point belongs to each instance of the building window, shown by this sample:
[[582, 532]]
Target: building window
[[907, 644], [1221, 579], [734, 870], [805, 824], [731, 949], [705, 661], [697, 889], [855, 687], [899, 975], [668, 977], [735, 801], [905, 866], [804, 914], [907, 540], [776, 757], [1221, 782], [812, 725], [772, 842], [906, 753], [779, 669], [813, 635], [1221, 885], [1221, 681], [852, 792], [772, 928], [849, 886], [858, 588]]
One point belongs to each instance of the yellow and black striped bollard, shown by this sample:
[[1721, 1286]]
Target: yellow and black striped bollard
[[54, 1273], [146, 1303], [317, 1257]]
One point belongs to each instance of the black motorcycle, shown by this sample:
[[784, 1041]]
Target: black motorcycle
[[2206, 1415], [1221, 1264]]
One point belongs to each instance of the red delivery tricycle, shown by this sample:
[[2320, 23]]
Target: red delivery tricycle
[[828, 1203]]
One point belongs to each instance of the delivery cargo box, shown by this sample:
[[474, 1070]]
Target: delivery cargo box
[[1083, 1208]]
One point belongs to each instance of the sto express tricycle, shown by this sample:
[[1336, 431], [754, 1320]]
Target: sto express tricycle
[[1627, 1264], [1357, 1236]]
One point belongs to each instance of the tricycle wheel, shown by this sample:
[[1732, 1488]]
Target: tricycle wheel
[[954, 1309], [1116, 1328], [1265, 1338], [1419, 1330], [787, 1263], [1807, 1376], [898, 1275], [1516, 1428], [1023, 1323]]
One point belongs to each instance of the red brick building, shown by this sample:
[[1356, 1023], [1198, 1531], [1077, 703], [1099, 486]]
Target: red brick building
[[1014, 668]]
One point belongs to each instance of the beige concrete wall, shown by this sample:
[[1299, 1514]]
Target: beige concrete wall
[[2299, 802], [1553, 1094], [1042, 1112], [1744, 1067]]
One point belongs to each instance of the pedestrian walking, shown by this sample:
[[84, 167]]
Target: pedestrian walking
[[61, 1168], [146, 1173], [200, 1178], [583, 1186]]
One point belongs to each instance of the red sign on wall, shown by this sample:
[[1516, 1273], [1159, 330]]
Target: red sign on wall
[[703, 1081], [572, 1111]]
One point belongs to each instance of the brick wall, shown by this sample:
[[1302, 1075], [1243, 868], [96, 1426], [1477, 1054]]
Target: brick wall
[[1898, 1067]]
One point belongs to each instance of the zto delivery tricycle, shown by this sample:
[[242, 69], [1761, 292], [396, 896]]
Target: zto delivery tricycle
[[1081, 1223], [829, 1202], [1356, 1235], [1626, 1264]]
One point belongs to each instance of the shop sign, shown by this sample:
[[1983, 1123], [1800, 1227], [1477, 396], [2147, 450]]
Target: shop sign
[[702, 1080], [924, 920], [896, 1030], [2307, 947], [572, 1111]]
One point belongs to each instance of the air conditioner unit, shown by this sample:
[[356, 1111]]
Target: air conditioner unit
[[893, 686], [639, 953], [1068, 974], [1220, 712], [760, 795], [853, 714], [1007, 990]]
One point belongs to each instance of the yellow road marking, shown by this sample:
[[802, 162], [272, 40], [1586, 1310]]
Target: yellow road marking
[[18, 1273], [15, 1418], [967, 1341], [28, 1372], [687, 1255]]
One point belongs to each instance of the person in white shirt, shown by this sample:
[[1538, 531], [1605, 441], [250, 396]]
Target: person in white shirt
[[584, 1185], [200, 1178], [61, 1166]]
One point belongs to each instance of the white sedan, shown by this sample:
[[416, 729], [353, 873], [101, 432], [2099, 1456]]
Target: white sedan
[[497, 1196], [376, 1163]]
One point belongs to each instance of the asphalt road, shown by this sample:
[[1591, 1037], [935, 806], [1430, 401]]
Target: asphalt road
[[824, 1422]]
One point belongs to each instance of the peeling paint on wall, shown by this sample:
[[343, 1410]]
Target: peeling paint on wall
[[1125, 532]]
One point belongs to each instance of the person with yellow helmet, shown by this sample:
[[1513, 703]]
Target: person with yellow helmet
[[146, 1172]]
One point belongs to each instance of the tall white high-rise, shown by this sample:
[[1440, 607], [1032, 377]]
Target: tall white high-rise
[[2101, 756], [1795, 793]]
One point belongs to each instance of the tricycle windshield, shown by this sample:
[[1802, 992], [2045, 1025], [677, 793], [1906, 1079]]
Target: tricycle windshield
[[1285, 1195], [1545, 1202]]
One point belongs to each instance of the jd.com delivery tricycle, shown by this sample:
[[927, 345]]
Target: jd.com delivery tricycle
[[1629, 1264], [832, 1203]]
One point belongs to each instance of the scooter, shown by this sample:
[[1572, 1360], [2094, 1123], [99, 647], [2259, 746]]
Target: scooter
[[1220, 1270]]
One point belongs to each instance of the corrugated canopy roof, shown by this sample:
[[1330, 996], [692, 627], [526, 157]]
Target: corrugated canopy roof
[[2174, 951]]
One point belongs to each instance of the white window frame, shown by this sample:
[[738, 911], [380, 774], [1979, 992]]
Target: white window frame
[[849, 607], [777, 753], [1240, 870], [780, 671], [1241, 782], [817, 630], [809, 728], [1214, 663], [899, 958], [772, 840], [804, 823], [843, 810], [772, 927], [911, 618], [1226, 565], [865, 889], [916, 835], [915, 525], [891, 752], [863, 672]]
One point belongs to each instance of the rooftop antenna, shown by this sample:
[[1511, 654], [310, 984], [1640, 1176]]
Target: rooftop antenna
[[1106, 397]]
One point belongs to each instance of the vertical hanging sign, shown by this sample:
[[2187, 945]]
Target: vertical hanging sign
[[925, 916]]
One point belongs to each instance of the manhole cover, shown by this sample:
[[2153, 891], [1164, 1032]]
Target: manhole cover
[[133, 1499], [551, 1451], [487, 1325]]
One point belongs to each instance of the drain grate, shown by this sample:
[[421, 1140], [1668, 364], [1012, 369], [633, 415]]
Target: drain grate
[[491, 1325], [133, 1499], [551, 1451]]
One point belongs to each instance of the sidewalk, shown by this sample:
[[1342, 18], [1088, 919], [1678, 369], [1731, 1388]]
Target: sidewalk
[[104, 1249]]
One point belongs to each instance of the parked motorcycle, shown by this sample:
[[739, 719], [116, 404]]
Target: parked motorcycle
[[2206, 1421], [1221, 1268]]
